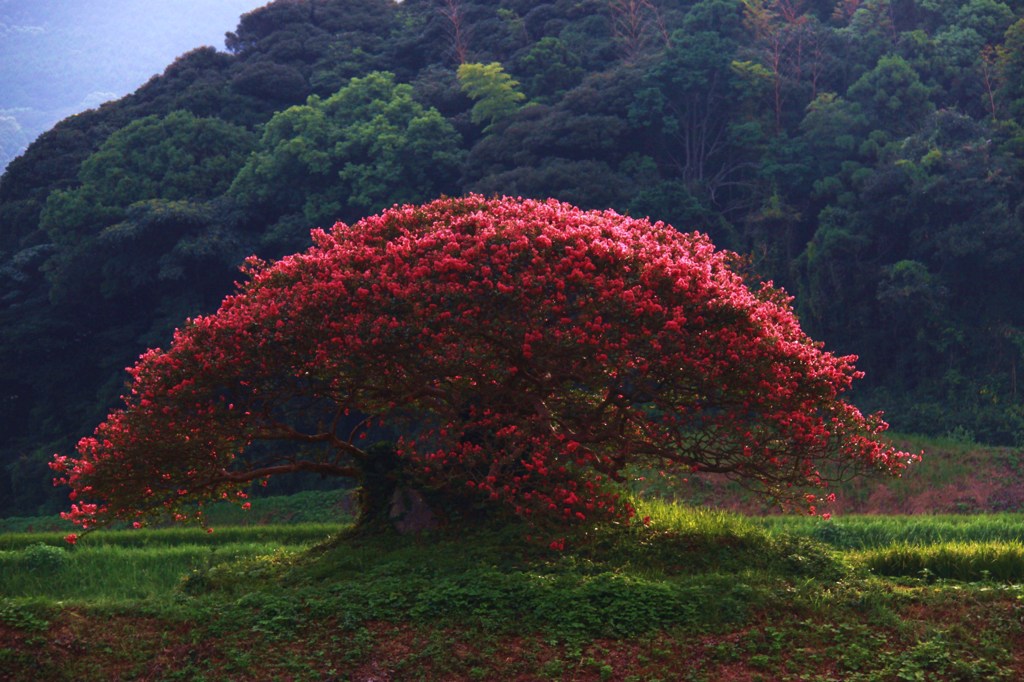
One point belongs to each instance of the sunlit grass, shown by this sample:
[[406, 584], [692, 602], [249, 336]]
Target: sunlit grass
[[867, 532], [666, 541], [671, 516], [967, 561], [135, 565]]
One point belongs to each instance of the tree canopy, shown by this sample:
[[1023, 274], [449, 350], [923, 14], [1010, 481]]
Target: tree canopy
[[518, 352]]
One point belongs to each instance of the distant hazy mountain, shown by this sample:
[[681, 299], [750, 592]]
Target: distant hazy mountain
[[59, 57]]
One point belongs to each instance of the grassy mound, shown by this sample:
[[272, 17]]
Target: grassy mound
[[695, 570]]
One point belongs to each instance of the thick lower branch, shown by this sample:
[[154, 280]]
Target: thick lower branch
[[286, 432], [291, 467]]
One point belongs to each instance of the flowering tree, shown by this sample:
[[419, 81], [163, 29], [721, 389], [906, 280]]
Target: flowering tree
[[520, 353]]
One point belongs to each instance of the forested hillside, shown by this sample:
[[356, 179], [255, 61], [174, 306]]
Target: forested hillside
[[58, 58], [866, 155]]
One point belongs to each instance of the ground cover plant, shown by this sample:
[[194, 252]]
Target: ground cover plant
[[696, 594]]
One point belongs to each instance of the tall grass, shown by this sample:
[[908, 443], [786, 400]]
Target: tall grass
[[669, 542], [147, 564], [968, 561], [667, 515], [867, 532], [303, 533], [958, 547], [114, 573]]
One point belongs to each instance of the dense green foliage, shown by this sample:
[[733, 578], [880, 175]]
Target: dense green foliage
[[866, 155]]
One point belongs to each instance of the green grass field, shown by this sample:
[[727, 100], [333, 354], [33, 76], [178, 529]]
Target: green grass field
[[695, 595], [122, 566]]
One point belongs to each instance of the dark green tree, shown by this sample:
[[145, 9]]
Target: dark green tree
[[1011, 71], [892, 96], [176, 158]]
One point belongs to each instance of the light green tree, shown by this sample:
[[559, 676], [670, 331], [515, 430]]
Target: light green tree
[[495, 92]]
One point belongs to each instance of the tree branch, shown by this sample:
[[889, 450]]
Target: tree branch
[[292, 467]]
